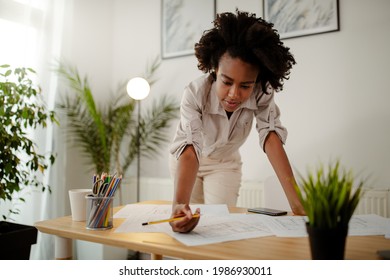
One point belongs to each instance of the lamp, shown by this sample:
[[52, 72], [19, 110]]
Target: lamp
[[138, 89]]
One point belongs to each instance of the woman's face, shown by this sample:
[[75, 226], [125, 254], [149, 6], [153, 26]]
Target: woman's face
[[236, 80]]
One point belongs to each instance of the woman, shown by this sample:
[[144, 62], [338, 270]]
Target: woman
[[245, 63]]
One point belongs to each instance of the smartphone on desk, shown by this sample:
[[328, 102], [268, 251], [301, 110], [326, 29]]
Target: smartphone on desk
[[267, 211]]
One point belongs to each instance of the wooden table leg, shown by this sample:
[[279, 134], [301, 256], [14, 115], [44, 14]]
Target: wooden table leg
[[155, 257], [63, 248]]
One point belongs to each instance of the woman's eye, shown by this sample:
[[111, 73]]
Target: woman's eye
[[227, 83]]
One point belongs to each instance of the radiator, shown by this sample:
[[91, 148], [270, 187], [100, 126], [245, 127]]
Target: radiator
[[372, 201], [251, 194]]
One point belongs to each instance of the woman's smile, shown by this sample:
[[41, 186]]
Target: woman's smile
[[231, 105]]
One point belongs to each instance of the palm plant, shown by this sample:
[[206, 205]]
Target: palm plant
[[107, 134]]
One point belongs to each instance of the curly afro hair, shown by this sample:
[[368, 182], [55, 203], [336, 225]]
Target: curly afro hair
[[251, 39]]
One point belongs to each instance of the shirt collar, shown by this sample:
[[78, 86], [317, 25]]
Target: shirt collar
[[213, 105]]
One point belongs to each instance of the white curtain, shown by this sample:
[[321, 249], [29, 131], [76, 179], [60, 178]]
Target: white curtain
[[31, 36]]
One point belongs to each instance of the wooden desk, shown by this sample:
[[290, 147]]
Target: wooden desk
[[160, 244]]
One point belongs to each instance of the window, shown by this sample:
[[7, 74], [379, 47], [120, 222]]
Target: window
[[21, 25]]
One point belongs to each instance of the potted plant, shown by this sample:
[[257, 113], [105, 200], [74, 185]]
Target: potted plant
[[107, 133], [21, 109], [329, 197]]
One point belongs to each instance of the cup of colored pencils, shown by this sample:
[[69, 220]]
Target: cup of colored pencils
[[99, 215]]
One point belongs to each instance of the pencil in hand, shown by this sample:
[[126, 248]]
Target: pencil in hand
[[168, 220]]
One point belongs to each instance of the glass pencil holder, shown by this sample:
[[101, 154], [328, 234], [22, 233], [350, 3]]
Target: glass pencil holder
[[99, 212]]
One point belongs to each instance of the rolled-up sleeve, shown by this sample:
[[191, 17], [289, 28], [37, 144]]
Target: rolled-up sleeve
[[189, 130], [268, 119]]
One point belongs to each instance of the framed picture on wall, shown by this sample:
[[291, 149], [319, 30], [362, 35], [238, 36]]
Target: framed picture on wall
[[295, 18], [183, 22]]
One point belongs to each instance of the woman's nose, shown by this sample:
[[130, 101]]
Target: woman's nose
[[233, 91]]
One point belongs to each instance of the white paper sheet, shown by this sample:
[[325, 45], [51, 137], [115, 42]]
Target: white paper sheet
[[216, 229], [367, 225], [137, 214], [140, 210], [294, 226], [287, 226], [166, 209], [216, 224]]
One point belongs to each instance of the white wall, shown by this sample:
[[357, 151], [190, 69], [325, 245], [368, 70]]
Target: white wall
[[334, 105]]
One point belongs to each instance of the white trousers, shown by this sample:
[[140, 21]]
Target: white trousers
[[218, 180]]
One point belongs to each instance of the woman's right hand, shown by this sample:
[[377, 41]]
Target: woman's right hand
[[188, 222]]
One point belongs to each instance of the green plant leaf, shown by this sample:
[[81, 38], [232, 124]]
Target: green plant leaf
[[22, 108], [328, 196]]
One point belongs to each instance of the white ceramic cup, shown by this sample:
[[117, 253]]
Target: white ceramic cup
[[78, 203]]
